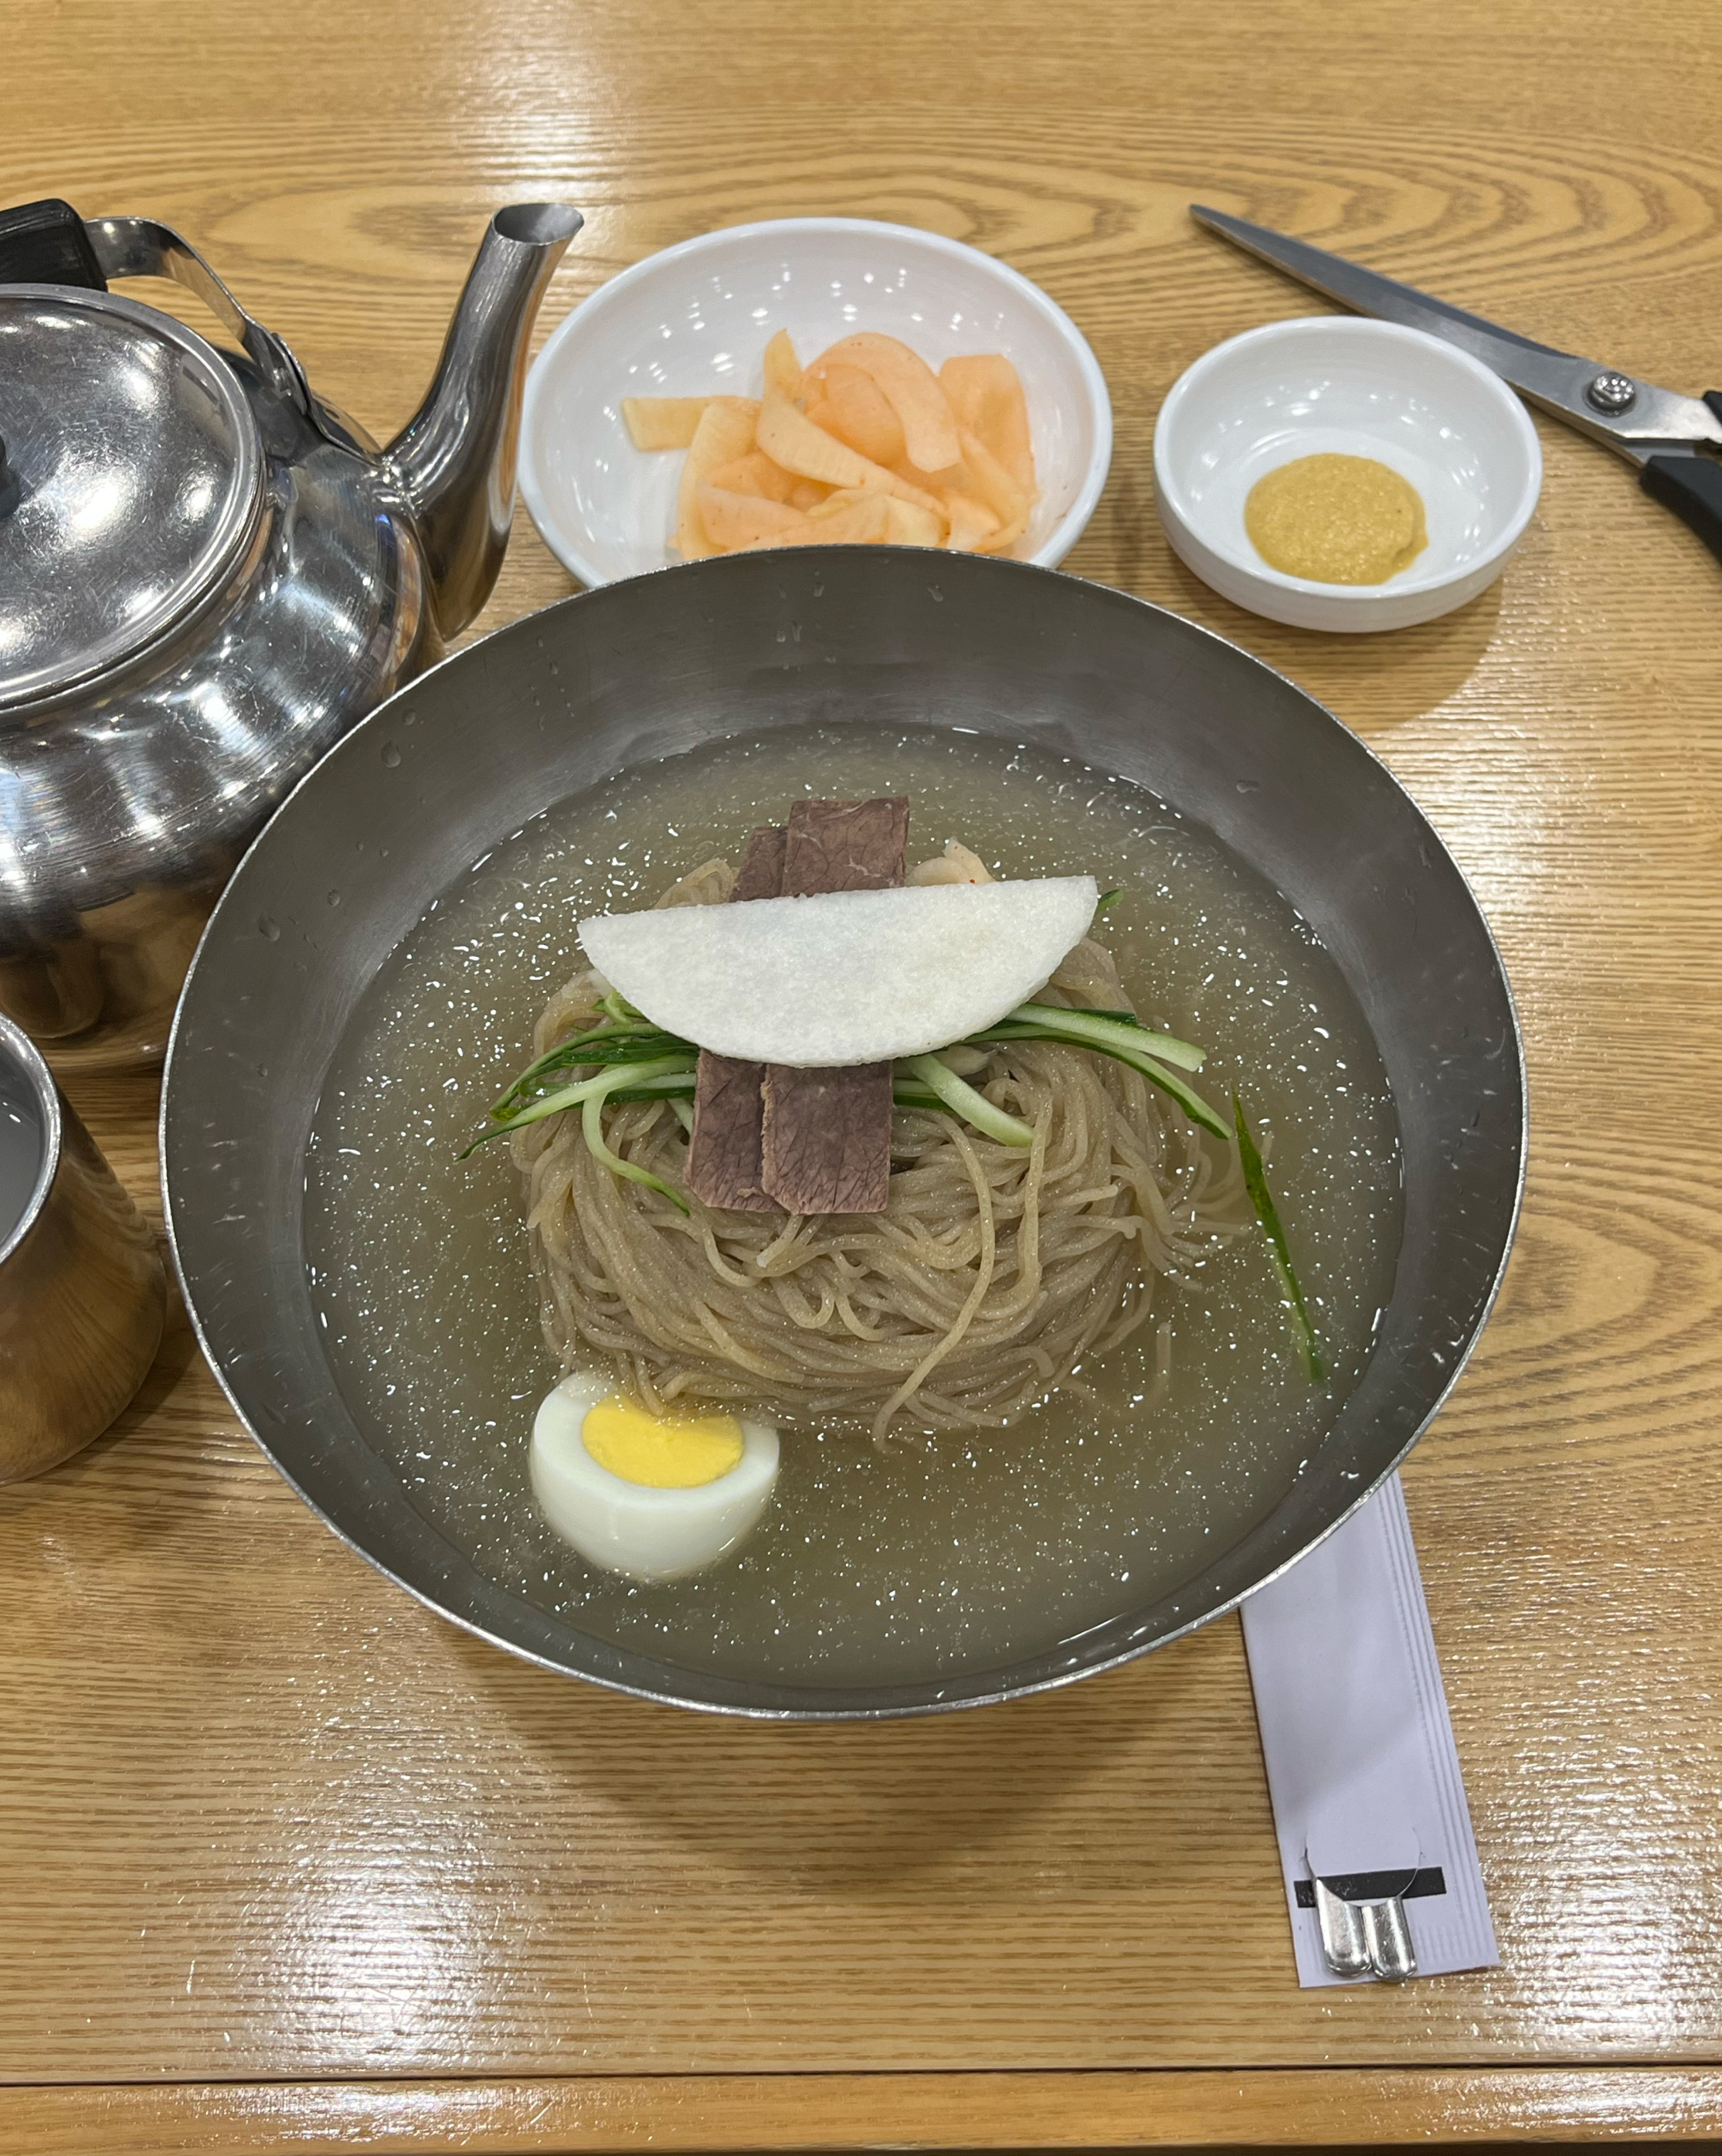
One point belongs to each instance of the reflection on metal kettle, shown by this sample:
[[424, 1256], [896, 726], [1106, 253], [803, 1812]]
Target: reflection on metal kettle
[[209, 576]]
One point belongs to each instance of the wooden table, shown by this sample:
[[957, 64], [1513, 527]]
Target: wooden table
[[286, 1861]]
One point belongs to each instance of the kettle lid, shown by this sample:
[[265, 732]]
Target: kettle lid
[[131, 480]]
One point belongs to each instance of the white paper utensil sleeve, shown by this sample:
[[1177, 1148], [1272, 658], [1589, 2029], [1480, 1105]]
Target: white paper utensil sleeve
[[1362, 1766]]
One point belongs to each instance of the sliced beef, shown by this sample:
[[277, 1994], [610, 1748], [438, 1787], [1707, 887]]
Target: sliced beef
[[724, 1151], [762, 875], [779, 1139], [828, 1138], [845, 846]]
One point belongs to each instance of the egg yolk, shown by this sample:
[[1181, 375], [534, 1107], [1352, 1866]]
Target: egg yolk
[[660, 1453]]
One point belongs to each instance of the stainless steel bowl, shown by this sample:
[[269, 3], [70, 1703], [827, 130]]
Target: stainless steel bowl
[[645, 668]]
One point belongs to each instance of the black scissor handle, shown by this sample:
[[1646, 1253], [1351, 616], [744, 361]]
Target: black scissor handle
[[1691, 486]]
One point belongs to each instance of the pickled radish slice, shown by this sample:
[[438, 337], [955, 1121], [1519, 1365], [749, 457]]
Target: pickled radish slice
[[847, 976]]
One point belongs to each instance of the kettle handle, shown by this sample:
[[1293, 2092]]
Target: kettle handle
[[138, 247], [45, 242]]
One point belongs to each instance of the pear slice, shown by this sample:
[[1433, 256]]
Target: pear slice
[[846, 977]]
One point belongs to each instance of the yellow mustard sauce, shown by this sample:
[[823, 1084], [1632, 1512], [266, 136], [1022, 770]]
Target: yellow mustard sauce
[[1336, 520]]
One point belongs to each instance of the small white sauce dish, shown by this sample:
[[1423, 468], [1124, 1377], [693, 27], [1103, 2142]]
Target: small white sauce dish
[[692, 321], [1329, 382]]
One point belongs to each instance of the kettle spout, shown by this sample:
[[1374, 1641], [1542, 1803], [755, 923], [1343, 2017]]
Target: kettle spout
[[455, 457]]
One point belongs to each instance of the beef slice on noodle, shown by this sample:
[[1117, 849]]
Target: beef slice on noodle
[[826, 1141], [845, 846], [795, 1140], [761, 872], [723, 1151], [827, 1138], [725, 1148]]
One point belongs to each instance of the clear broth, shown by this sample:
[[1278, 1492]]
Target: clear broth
[[957, 1555]]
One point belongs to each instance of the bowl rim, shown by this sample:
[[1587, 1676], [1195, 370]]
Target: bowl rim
[[795, 1701], [1366, 329], [1054, 548]]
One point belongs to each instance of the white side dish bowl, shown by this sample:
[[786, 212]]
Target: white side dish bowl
[[692, 321], [1339, 383]]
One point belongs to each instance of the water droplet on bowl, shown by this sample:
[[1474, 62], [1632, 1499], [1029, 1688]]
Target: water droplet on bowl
[[391, 755], [269, 927], [334, 898]]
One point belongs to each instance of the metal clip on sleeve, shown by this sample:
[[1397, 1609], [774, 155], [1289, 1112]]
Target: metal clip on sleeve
[[1364, 1937]]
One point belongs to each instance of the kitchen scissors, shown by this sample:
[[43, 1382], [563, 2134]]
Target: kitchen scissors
[[1675, 441]]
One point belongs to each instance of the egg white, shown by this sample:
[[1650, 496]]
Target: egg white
[[645, 1534]]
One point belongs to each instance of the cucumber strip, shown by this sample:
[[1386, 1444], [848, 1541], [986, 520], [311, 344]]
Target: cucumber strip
[[678, 1085], [1255, 1182], [1189, 1101], [962, 1100], [592, 1110], [611, 1048], [1090, 1028], [603, 1044], [675, 1053], [575, 1096], [1118, 1048]]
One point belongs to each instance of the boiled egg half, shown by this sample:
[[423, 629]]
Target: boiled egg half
[[650, 1496]]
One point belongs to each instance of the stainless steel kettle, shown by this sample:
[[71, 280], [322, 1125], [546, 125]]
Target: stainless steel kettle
[[207, 576]]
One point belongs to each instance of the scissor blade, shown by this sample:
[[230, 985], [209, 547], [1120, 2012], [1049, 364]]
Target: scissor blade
[[1658, 418]]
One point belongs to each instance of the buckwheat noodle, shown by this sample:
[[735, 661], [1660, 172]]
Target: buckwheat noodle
[[994, 1272]]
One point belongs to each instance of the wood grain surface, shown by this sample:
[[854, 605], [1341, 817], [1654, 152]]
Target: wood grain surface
[[263, 1820], [795, 2112]]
